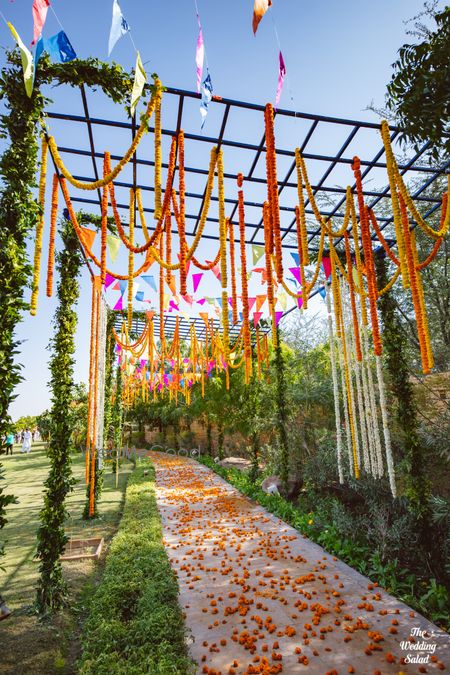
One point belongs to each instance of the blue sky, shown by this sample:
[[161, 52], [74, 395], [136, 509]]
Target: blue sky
[[338, 57]]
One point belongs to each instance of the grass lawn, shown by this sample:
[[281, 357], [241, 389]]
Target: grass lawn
[[28, 646]]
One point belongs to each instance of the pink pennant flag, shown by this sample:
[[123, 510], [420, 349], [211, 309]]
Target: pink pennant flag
[[199, 55], [172, 305], [280, 78], [119, 304], [39, 10], [201, 302], [296, 272], [196, 279], [189, 299], [109, 279], [256, 318], [278, 316], [251, 302], [326, 262], [116, 286], [299, 302], [216, 271]]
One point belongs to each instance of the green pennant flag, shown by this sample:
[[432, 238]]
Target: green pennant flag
[[27, 61], [258, 252], [113, 244], [140, 78]]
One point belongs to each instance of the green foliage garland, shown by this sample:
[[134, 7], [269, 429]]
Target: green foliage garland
[[18, 208], [51, 590]]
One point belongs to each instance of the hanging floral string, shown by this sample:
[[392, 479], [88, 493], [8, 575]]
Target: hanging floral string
[[104, 226], [272, 192], [39, 229], [232, 271], [51, 242], [94, 185], [244, 281], [270, 295], [131, 261], [158, 156]]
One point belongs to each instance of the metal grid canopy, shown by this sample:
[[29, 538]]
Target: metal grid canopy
[[330, 173]]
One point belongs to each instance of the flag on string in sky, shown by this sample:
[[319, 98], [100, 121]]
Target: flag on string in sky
[[207, 92], [109, 280], [281, 75], [259, 9], [113, 244], [140, 78], [257, 252], [296, 258], [196, 279], [57, 46], [27, 61], [140, 296], [150, 280], [39, 10], [278, 316], [88, 237], [119, 26], [199, 55], [323, 292]]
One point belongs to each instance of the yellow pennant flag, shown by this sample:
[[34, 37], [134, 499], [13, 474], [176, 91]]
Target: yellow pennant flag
[[140, 78], [282, 299], [113, 244], [27, 61]]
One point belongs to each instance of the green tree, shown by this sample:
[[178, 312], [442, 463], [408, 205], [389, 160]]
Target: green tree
[[419, 91]]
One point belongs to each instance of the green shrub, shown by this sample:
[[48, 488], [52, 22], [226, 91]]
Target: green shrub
[[135, 623]]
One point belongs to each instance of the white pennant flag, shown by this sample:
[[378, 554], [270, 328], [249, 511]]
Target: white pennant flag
[[119, 26], [140, 78]]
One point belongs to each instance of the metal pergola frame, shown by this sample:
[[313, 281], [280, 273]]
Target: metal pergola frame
[[415, 165]]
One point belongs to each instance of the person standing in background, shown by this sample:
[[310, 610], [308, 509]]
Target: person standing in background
[[26, 441], [9, 442]]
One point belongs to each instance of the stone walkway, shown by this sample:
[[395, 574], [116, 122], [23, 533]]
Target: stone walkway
[[259, 597]]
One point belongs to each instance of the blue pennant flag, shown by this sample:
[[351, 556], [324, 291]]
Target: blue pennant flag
[[323, 292], [207, 92], [57, 46], [123, 286], [150, 280], [296, 258], [140, 296]]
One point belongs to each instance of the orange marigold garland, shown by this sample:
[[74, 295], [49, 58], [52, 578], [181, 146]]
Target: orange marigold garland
[[182, 219], [168, 233], [51, 243], [131, 262], [368, 258], [223, 257], [244, 281], [232, 270], [419, 309], [272, 190], [352, 298], [270, 296]]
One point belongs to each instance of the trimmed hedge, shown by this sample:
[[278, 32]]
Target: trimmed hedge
[[135, 623]]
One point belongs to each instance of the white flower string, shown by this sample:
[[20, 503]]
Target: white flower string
[[337, 412]]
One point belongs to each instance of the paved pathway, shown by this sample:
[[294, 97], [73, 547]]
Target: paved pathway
[[259, 597]]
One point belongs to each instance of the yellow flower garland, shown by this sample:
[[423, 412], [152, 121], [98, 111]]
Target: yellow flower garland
[[125, 159], [158, 157], [39, 229]]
